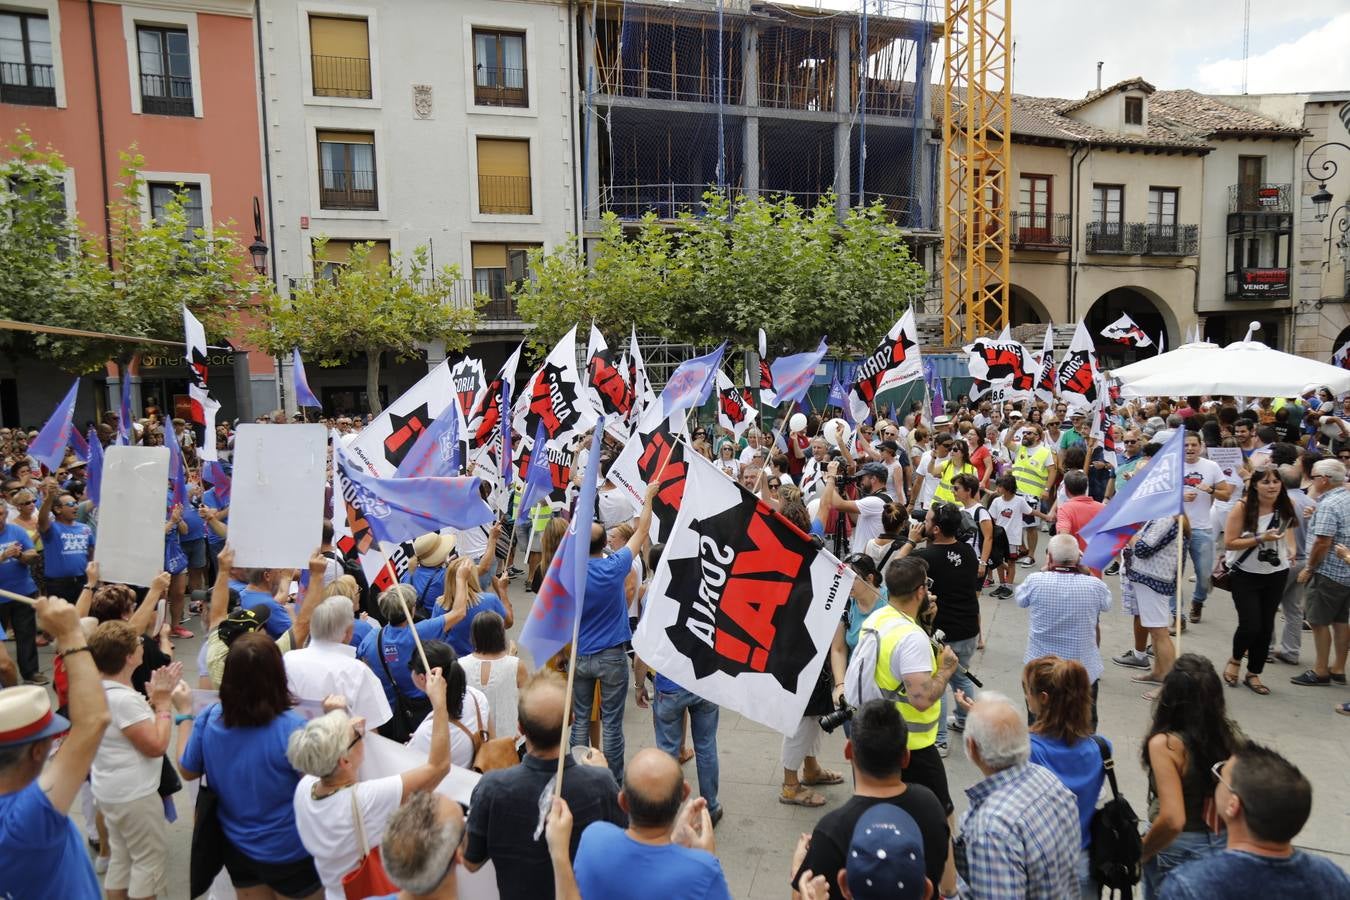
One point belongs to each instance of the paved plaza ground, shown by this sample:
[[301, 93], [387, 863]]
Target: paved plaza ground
[[756, 838]]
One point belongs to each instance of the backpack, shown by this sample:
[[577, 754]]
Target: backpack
[[1113, 857], [860, 682], [969, 529]]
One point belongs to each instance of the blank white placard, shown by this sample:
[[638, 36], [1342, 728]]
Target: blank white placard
[[131, 514], [276, 497]]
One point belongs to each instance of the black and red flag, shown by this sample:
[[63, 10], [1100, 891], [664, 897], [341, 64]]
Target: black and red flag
[[894, 362]]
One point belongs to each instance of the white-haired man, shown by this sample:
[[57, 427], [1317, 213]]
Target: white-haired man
[[1020, 836], [1065, 603], [421, 847], [329, 665], [1327, 575]]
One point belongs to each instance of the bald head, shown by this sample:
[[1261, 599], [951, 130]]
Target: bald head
[[597, 539], [540, 710], [653, 789], [997, 731]]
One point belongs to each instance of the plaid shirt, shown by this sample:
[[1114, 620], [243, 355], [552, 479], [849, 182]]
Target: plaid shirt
[[1019, 839], [1333, 518], [1063, 622]]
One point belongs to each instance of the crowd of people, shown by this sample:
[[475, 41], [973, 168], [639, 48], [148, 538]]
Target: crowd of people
[[299, 670]]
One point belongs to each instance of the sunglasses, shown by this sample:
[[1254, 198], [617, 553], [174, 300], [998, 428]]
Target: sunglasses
[[1131, 442], [1216, 772], [775, 485], [1343, 456]]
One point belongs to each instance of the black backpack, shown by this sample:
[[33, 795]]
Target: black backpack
[[1114, 856]]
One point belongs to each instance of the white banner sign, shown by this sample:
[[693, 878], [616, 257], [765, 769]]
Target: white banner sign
[[276, 504], [131, 516]]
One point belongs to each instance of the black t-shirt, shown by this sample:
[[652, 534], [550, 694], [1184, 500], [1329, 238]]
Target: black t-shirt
[[955, 570], [833, 834]]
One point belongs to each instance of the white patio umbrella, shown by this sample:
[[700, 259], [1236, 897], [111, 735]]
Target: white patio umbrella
[[1247, 369], [1186, 354]]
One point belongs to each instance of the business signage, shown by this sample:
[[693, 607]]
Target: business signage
[[1268, 196], [1263, 283], [173, 359]]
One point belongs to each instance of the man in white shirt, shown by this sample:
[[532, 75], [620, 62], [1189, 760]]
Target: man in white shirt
[[751, 445], [1203, 484], [867, 508], [329, 665]]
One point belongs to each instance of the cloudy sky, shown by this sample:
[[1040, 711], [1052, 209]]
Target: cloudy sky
[[1296, 45]]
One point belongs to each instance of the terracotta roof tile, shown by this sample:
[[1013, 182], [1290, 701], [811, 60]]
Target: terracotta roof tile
[[1208, 116]]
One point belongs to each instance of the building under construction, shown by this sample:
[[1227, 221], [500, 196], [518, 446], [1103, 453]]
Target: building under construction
[[758, 98]]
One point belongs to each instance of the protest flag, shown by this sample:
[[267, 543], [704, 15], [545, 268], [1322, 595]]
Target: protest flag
[[303, 395], [177, 471], [93, 472], [895, 361], [1077, 380], [765, 373], [49, 447], [607, 383], [1153, 492], [204, 406], [470, 382], [124, 426], [1047, 379], [400, 509], [79, 446], [213, 472], [735, 412], [793, 375], [691, 383], [538, 479], [436, 451], [637, 379], [1125, 331]]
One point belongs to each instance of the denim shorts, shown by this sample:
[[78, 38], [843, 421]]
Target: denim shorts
[[196, 553]]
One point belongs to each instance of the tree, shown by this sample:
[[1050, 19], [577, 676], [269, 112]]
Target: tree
[[368, 306], [737, 266]]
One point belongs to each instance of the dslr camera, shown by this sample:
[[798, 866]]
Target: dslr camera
[[832, 720]]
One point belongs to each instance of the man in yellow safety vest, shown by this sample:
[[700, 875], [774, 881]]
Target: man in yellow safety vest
[[1034, 470]]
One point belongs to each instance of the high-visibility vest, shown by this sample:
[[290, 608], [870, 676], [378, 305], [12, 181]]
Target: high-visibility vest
[[1031, 470], [892, 627], [943, 492]]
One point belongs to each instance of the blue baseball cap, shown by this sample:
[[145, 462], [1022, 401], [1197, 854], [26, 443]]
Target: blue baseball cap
[[885, 856]]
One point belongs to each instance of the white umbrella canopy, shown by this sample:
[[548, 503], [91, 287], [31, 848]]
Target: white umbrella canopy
[[1246, 369]]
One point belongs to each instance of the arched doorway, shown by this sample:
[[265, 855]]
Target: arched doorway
[[1024, 308], [1345, 332], [1139, 306], [1226, 328]]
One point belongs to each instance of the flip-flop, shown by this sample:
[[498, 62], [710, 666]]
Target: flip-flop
[[1255, 687], [824, 777], [1150, 696], [802, 797]]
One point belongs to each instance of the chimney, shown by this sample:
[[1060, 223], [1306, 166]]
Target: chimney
[[1099, 74]]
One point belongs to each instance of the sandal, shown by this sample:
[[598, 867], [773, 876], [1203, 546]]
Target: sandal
[[1231, 679], [800, 796], [1150, 696], [824, 777], [1256, 687]]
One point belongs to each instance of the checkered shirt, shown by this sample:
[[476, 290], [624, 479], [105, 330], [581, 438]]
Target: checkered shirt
[[1333, 518], [1063, 620]]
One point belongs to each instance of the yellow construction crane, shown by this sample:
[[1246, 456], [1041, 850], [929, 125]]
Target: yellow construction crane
[[976, 153]]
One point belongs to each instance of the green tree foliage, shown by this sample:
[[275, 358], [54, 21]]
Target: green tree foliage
[[52, 273], [738, 266], [368, 306]]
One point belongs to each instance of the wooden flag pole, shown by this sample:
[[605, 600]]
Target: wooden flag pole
[[10, 595], [1181, 550], [407, 613]]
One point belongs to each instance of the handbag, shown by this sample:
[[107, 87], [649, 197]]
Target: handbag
[[488, 753], [368, 879], [1116, 850], [207, 855], [169, 782], [400, 726], [1222, 576]]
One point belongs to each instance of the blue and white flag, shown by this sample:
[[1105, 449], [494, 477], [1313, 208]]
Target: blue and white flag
[[691, 383], [1153, 492], [436, 451], [125, 429], [177, 472], [93, 473], [400, 509], [556, 608], [538, 477], [793, 375], [214, 474], [49, 447], [303, 395], [79, 446]]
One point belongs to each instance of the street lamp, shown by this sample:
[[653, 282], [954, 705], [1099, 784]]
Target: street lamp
[[1325, 172], [258, 249], [1340, 215]]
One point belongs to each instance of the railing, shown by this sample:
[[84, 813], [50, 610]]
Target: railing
[[504, 195], [815, 94], [878, 98], [348, 189], [655, 85], [497, 303], [667, 201], [497, 86], [1258, 284], [1042, 231], [32, 84], [1107, 237], [166, 95], [341, 76], [1259, 198], [1169, 240]]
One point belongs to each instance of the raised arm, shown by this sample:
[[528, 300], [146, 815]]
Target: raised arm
[[644, 524], [220, 591], [318, 564], [86, 597], [489, 560], [144, 616], [66, 771], [48, 501], [426, 776]]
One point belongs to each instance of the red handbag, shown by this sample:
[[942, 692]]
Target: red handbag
[[368, 879]]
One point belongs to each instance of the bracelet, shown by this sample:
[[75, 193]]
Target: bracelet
[[180, 718], [163, 715], [73, 650], [91, 587]]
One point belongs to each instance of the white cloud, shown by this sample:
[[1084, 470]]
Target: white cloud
[[1315, 61]]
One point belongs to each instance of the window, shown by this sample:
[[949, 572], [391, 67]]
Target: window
[[340, 57], [497, 266], [1108, 204], [499, 69], [1134, 110], [336, 252], [504, 177], [166, 71], [57, 215], [27, 74], [347, 170], [1162, 207], [162, 194]]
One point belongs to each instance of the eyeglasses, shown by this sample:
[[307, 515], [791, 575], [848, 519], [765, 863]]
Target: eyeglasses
[[1216, 771], [358, 726]]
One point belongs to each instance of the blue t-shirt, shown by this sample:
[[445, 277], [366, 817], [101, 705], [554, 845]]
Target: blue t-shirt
[[278, 620], [459, 636], [210, 499], [361, 629], [54, 861], [196, 526], [607, 859], [249, 771], [15, 576], [175, 560], [399, 649], [1078, 766], [1237, 875], [604, 613], [429, 584], [66, 549]]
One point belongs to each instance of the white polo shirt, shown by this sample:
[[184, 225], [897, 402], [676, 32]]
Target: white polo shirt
[[325, 668]]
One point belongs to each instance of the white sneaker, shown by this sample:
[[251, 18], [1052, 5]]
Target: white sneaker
[[100, 865], [942, 749]]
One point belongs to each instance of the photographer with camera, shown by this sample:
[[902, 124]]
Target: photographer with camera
[[866, 510], [1259, 538]]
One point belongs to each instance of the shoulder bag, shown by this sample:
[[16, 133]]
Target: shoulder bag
[[400, 726], [1116, 849], [1222, 577], [488, 754], [207, 855], [368, 879]]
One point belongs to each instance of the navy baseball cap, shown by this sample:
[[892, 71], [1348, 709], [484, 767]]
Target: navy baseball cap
[[885, 857]]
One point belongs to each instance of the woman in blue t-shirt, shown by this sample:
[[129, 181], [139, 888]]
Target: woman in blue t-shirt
[[240, 747], [1059, 701]]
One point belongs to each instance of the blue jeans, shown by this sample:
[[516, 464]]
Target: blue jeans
[[668, 719], [609, 668], [964, 650], [1188, 845], [1088, 888], [1201, 552]]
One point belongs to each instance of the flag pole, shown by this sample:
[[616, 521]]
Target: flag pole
[[407, 614], [1181, 549], [10, 595]]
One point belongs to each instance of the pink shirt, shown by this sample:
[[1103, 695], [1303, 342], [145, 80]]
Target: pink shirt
[[1073, 514]]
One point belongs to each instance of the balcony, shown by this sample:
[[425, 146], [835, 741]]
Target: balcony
[[348, 189], [1041, 231], [507, 195], [498, 304], [496, 86], [32, 84], [1258, 284], [1142, 239], [1259, 198], [341, 76], [652, 84], [166, 95]]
